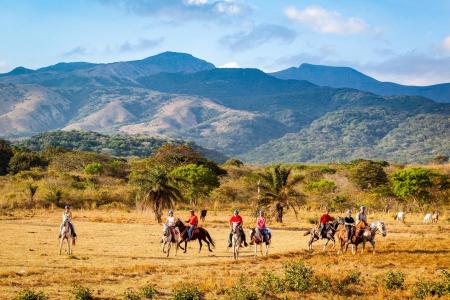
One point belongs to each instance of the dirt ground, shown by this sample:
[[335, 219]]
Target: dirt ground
[[117, 250]]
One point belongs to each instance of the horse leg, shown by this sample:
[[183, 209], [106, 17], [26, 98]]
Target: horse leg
[[169, 245], [325, 246], [256, 249], [176, 248], [185, 246], [267, 249], [61, 244], [179, 245], [200, 244], [261, 246], [69, 248], [373, 246]]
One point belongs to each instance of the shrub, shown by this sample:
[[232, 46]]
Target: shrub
[[394, 280], [298, 276], [270, 284], [30, 295], [187, 292], [354, 277], [321, 186], [322, 285], [6, 154], [148, 291], [441, 288], [327, 170], [131, 295], [23, 161], [241, 292], [81, 292], [234, 162], [94, 168]]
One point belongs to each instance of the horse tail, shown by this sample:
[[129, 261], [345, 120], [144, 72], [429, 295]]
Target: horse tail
[[208, 237]]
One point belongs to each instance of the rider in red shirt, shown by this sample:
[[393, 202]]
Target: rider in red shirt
[[193, 222], [236, 218], [324, 219]]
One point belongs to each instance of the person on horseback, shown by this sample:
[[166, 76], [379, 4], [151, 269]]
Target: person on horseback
[[193, 222], [324, 219], [236, 218], [170, 223], [349, 222], [361, 222], [261, 225], [67, 216]]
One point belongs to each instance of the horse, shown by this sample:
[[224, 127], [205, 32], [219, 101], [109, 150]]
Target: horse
[[199, 234], [257, 238], [168, 238], [236, 239], [428, 218], [203, 215], [400, 216], [330, 230], [67, 234], [342, 238], [369, 236], [435, 217]]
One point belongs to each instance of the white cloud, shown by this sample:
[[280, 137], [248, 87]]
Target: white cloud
[[230, 65], [325, 21], [196, 2], [446, 44]]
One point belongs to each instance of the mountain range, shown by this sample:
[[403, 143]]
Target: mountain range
[[245, 113]]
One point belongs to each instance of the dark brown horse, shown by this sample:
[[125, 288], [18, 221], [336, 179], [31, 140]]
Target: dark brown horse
[[199, 234]]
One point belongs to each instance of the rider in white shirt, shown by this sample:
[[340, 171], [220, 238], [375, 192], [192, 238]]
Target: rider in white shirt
[[170, 223], [67, 216]]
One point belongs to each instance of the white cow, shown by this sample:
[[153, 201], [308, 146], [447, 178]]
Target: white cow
[[435, 217], [428, 218], [400, 216]]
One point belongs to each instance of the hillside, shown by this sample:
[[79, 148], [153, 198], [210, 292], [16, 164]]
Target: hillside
[[239, 112], [344, 77], [116, 145]]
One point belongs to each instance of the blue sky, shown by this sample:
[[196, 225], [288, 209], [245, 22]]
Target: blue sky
[[392, 40]]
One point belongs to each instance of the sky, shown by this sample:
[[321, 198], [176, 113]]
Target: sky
[[404, 41]]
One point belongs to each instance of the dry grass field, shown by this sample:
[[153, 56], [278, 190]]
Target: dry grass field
[[117, 250]]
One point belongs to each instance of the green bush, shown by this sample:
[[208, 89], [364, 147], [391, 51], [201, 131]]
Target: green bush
[[298, 276], [23, 161], [241, 292], [94, 168], [354, 277], [394, 280], [321, 186], [187, 292], [131, 295], [322, 285], [368, 174], [423, 289], [30, 295], [327, 170], [81, 292], [270, 284], [148, 291]]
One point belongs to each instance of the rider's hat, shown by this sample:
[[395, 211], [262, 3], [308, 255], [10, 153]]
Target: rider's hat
[[170, 212], [362, 207], [67, 206], [191, 210], [349, 211], [236, 211]]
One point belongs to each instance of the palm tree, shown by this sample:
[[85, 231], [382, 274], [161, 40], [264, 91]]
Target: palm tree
[[155, 187], [277, 189]]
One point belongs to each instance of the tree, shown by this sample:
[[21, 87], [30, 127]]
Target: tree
[[155, 186], [234, 162], [24, 160], [440, 160], [416, 184], [6, 154], [368, 174], [384, 194], [196, 180], [277, 188]]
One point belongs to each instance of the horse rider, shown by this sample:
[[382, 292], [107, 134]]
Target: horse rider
[[324, 219], [67, 216], [361, 222], [349, 222], [170, 223], [236, 218], [193, 222], [261, 225]]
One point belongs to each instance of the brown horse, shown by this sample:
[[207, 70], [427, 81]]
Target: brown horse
[[199, 234]]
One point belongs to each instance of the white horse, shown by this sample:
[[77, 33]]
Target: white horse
[[66, 234], [258, 239], [400, 216], [369, 236], [236, 239], [168, 238], [428, 218]]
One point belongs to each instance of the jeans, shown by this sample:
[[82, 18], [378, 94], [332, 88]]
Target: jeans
[[265, 234], [322, 229], [190, 230], [349, 229]]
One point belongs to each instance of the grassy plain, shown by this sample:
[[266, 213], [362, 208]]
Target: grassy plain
[[117, 250]]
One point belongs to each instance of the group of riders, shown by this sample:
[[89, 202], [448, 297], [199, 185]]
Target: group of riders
[[354, 228]]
